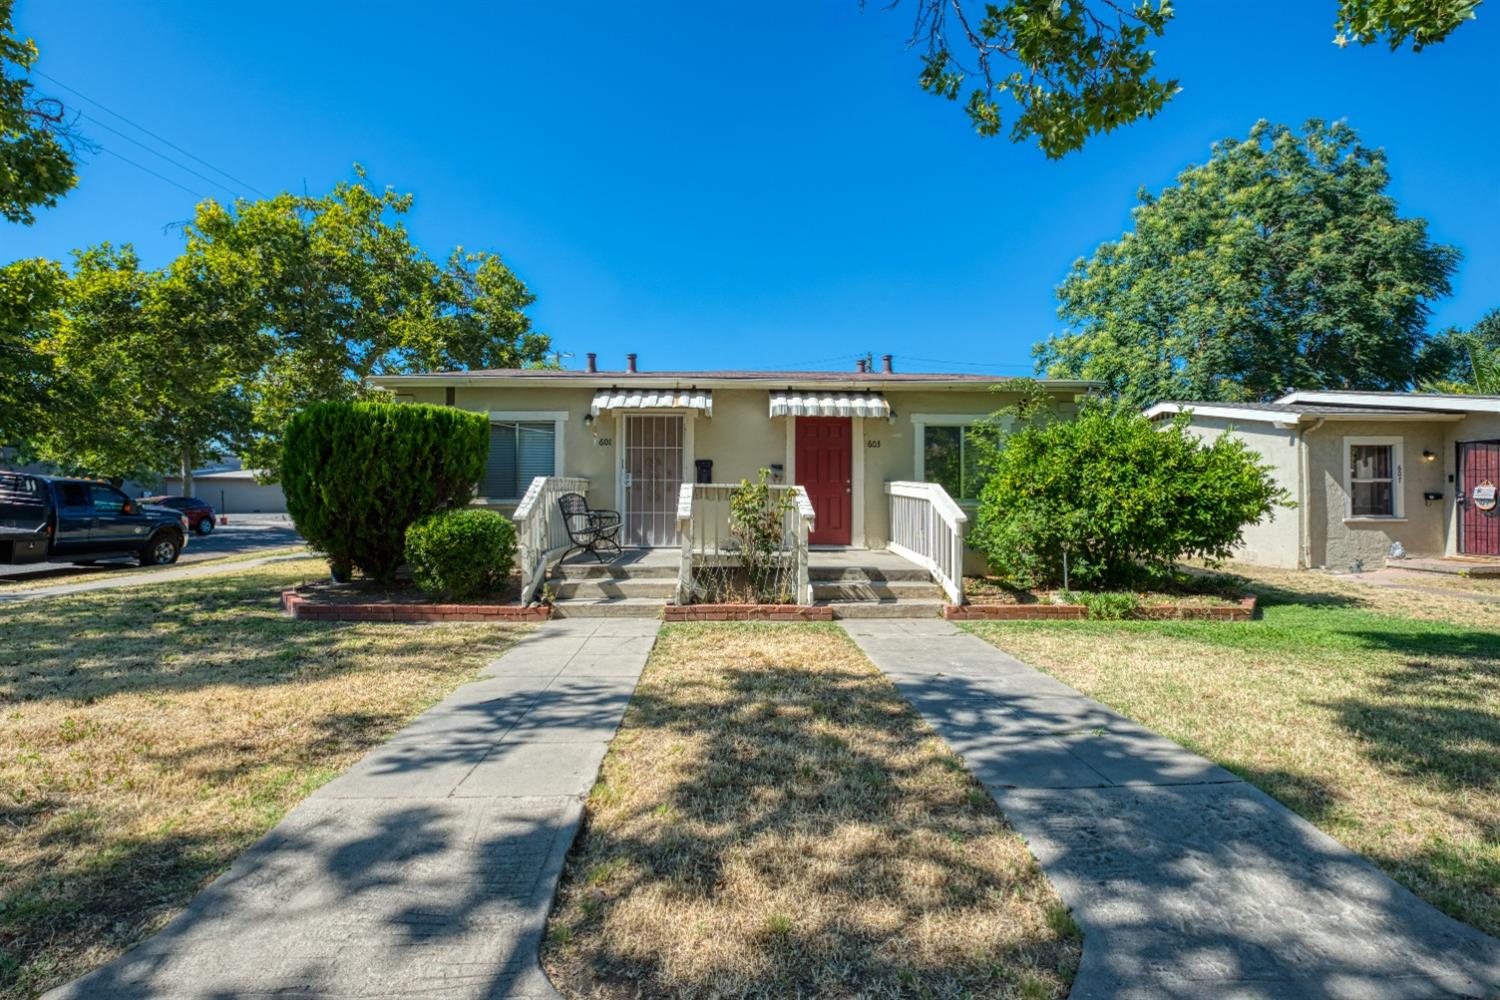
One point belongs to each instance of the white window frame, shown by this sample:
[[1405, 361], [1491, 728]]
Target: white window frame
[[558, 418], [921, 421], [1398, 477]]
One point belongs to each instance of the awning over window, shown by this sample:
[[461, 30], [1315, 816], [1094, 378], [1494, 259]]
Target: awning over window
[[653, 399], [812, 403]]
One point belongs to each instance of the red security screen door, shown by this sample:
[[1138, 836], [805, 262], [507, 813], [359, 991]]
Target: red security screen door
[[1478, 469], [825, 458]]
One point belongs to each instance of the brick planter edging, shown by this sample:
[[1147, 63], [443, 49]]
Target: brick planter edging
[[1242, 612], [746, 613], [300, 608]]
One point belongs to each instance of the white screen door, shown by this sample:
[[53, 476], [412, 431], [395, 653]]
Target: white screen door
[[653, 475]]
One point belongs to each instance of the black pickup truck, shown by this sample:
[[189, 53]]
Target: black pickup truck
[[52, 519]]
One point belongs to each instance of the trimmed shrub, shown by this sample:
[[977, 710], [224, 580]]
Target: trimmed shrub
[[461, 553], [356, 475], [1123, 497]]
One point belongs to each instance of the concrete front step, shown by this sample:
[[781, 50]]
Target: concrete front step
[[615, 571], [612, 587], [886, 609], [866, 574], [611, 607], [875, 590]]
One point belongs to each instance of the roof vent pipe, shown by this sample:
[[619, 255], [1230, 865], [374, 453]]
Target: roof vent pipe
[[593, 366], [630, 363], [885, 364], [859, 366]]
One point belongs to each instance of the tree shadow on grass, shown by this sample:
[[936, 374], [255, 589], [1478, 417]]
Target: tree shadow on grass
[[790, 776]]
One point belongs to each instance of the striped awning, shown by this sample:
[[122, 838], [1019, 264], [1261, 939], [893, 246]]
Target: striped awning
[[653, 399], [811, 403]]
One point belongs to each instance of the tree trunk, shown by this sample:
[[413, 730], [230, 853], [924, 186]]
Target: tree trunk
[[187, 472]]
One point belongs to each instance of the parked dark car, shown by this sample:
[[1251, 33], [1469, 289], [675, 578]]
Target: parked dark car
[[54, 519], [199, 514]]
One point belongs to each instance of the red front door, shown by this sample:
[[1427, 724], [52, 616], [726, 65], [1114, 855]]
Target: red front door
[[825, 458], [1478, 516]]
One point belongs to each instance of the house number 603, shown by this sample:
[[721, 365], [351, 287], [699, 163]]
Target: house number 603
[[872, 443], [606, 442]]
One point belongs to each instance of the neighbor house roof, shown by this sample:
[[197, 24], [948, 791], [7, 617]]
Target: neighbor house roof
[[722, 378], [1300, 407]]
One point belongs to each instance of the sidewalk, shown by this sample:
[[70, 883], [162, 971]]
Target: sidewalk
[[429, 867], [1186, 881]]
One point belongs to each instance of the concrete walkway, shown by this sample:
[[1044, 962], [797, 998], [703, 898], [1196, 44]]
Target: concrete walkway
[[105, 580], [1186, 881], [428, 868]]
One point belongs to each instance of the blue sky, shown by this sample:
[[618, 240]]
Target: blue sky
[[728, 185]]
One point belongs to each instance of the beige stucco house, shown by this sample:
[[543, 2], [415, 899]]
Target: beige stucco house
[[1367, 470], [637, 435]]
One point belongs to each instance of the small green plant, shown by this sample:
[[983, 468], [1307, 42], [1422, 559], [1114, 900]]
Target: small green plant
[[1109, 605], [1061, 921], [461, 553], [779, 924], [757, 519]]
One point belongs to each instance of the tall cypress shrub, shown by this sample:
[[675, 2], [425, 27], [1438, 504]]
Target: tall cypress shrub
[[357, 475]]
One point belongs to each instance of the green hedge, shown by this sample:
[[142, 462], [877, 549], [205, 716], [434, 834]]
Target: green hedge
[[1123, 497], [461, 553], [356, 475]]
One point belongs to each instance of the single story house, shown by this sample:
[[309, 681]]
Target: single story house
[[229, 489], [1367, 470], [638, 435]]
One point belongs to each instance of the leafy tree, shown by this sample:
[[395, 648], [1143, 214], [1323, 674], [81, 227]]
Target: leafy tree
[[151, 367], [1280, 263], [1463, 361], [1117, 495], [1075, 68], [36, 153], [29, 292], [343, 293]]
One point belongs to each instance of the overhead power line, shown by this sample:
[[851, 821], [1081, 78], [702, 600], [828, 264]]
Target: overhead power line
[[153, 173], [166, 142], [180, 166]]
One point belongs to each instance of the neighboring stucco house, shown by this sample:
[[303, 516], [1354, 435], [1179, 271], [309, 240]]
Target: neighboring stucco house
[[230, 489], [638, 435], [1367, 470]]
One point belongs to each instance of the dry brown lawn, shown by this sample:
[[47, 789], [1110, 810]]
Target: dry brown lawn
[[1373, 712], [774, 820], [149, 735]]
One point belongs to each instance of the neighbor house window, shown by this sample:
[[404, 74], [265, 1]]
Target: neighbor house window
[[519, 452], [948, 454], [1374, 477]]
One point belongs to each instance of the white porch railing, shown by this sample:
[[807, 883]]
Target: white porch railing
[[709, 544], [541, 535], [927, 527]]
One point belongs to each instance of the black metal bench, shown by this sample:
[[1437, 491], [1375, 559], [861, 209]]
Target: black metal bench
[[588, 529]]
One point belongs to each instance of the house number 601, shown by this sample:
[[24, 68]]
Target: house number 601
[[606, 442]]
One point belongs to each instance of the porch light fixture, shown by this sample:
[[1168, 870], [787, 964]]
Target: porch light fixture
[[588, 420], [1428, 456]]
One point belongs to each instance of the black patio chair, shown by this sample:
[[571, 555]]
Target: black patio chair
[[588, 529]]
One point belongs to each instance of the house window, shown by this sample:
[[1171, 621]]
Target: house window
[[519, 452], [1373, 470], [948, 455]]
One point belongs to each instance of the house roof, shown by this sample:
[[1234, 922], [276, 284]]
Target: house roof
[[1298, 407], [722, 377]]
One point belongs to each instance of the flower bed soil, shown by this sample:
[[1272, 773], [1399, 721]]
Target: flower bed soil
[[1242, 610], [367, 601]]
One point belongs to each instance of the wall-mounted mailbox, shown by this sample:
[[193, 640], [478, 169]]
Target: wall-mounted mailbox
[[705, 469], [1430, 496], [778, 473]]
